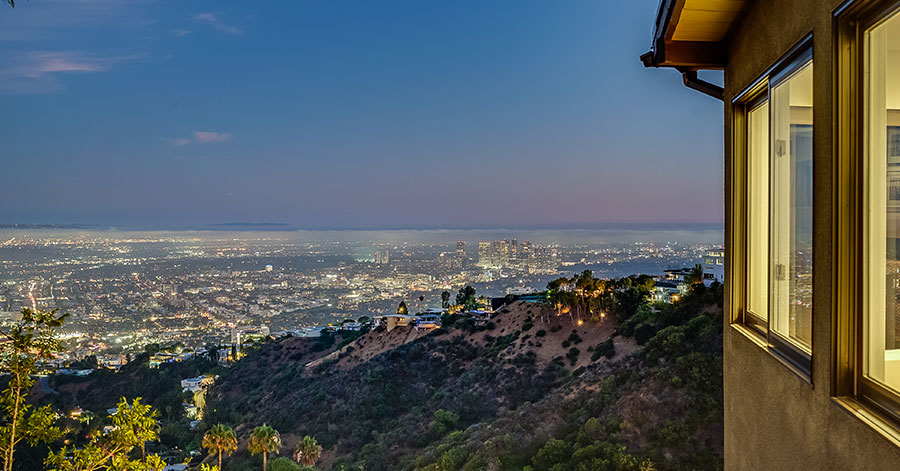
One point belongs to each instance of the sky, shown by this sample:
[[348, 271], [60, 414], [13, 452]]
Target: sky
[[325, 114]]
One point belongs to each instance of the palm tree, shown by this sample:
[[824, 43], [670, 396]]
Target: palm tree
[[265, 440], [307, 451], [218, 439]]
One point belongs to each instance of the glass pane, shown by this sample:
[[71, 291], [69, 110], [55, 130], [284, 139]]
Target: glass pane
[[791, 157], [758, 211], [882, 330]]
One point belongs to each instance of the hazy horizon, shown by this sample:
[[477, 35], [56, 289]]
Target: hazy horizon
[[708, 234]]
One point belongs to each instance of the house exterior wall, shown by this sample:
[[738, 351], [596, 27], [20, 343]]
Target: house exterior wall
[[775, 419]]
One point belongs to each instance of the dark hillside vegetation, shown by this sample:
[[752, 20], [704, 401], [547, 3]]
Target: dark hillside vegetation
[[532, 389], [659, 408]]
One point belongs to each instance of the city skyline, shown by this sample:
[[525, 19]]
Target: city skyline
[[124, 290], [326, 116]]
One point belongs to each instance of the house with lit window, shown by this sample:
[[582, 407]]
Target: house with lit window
[[714, 267], [811, 101], [664, 291]]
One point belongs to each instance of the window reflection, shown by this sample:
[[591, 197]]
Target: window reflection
[[882, 319], [791, 163]]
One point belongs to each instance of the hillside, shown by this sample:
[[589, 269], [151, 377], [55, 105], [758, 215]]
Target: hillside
[[528, 389]]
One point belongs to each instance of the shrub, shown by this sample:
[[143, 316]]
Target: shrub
[[604, 349], [643, 333], [283, 464], [540, 333], [552, 453], [572, 355], [444, 421]]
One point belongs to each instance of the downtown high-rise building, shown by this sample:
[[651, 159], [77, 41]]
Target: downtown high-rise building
[[501, 253], [526, 250], [461, 250], [508, 253], [484, 253], [526, 256], [382, 257]]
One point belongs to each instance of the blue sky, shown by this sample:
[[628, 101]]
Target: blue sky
[[348, 114]]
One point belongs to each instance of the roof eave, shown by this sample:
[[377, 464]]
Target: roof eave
[[683, 55]]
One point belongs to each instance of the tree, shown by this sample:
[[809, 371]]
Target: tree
[[444, 422], [696, 275], [466, 298], [284, 464], [552, 453], [265, 440], [307, 451], [212, 354], [138, 425], [220, 439], [445, 299], [86, 363], [28, 341], [134, 424], [401, 309]]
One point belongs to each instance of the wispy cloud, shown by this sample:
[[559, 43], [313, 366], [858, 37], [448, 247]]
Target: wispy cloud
[[38, 64], [213, 21], [37, 72], [180, 142], [199, 137], [179, 32], [209, 136]]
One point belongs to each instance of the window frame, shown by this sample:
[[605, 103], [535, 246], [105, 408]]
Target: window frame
[[852, 21], [757, 98], [757, 93]]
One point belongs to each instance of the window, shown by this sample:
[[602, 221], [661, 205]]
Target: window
[[776, 126], [881, 251], [758, 214], [790, 164], [867, 261]]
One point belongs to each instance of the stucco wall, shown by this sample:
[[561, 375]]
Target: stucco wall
[[774, 420]]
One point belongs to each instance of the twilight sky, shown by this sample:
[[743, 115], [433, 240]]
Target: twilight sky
[[348, 114]]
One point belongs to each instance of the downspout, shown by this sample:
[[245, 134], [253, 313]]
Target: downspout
[[692, 81]]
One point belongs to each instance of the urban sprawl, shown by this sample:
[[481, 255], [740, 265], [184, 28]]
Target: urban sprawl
[[187, 292]]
